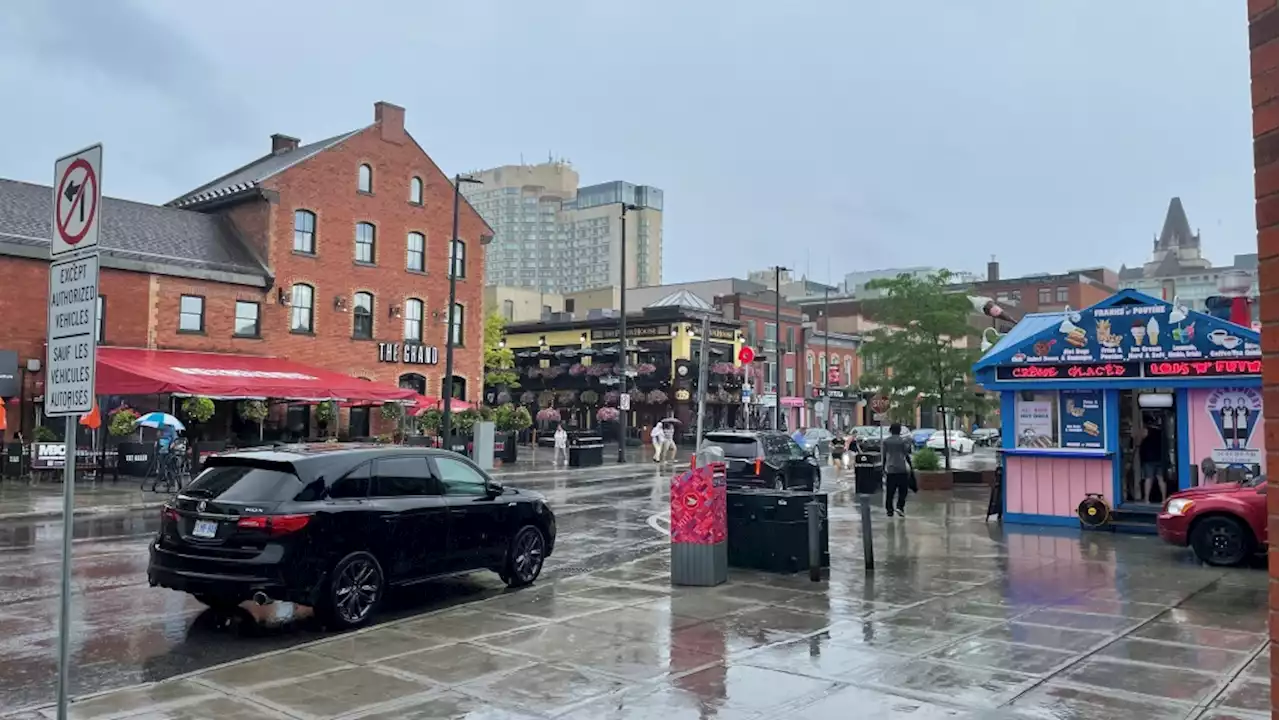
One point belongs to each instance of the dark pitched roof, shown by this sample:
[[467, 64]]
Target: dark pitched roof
[[134, 236], [255, 172], [1176, 232]]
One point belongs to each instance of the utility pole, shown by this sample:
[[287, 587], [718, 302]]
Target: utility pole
[[621, 367], [703, 345], [777, 345], [457, 262], [826, 351]]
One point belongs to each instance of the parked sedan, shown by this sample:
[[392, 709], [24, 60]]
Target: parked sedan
[[334, 527], [986, 437], [921, 436], [767, 459], [818, 440], [1224, 524], [958, 442]]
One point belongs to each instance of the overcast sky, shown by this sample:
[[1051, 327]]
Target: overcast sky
[[835, 136]]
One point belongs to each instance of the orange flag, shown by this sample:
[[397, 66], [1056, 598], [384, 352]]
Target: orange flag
[[93, 420], [3, 421]]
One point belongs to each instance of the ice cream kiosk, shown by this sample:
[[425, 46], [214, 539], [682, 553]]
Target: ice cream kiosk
[[1124, 403]]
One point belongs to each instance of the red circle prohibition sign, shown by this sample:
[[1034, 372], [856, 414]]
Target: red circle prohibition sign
[[89, 179]]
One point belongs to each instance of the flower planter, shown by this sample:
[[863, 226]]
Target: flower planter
[[934, 480]]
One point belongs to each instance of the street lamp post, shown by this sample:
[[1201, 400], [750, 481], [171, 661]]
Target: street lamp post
[[826, 334], [446, 419], [622, 331], [777, 345]]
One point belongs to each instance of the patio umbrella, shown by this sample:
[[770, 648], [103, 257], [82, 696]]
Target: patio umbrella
[[671, 420], [159, 420]]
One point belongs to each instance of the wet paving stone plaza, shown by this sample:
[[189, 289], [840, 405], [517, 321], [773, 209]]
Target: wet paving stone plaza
[[961, 619]]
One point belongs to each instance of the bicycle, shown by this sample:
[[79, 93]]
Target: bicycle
[[174, 470]]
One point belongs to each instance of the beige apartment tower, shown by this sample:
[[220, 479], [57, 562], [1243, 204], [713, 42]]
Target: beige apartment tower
[[555, 237]]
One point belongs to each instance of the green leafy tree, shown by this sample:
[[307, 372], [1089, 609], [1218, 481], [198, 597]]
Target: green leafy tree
[[499, 361], [915, 351], [198, 409]]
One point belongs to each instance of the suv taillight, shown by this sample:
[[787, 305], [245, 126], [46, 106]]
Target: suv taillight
[[274, 524]]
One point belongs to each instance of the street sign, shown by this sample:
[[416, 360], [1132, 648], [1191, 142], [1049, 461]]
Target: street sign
[[77, 201], [624, 401], [880, 403], [746, 355], [73, 317]]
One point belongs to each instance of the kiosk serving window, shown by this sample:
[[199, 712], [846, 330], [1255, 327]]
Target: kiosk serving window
[[1036, 419], [1060, 420]]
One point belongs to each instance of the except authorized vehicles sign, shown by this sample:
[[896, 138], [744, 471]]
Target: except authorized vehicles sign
[[77, 201], [73, 317]]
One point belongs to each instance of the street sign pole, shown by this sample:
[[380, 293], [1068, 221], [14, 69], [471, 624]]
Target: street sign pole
[[71, 343]]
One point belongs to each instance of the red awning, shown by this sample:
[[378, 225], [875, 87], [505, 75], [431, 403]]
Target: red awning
[[135, 371], [426, 402]]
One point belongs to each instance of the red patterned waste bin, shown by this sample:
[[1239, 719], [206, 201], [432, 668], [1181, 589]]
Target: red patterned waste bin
[[699, 553]]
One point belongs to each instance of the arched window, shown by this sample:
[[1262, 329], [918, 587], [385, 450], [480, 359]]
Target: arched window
[[808, 368], [365, 181], [457, 330], [848, 369], [458, 258], [413, 320], [362, 316], [415, 382], [415, 190], [415, 254], [304, 232], [822, 367], [302, 304], [366, 237]]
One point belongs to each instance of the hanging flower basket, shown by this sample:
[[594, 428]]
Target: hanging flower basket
[[656, 397], [599, 369], [552, 372], [722, 368], [567, 397], [611, 397], [546, 399], [577, 370], [551, 415], [504, 397], [534, 372], [646, 369], [589, 397], [607, 414], [528, 398]]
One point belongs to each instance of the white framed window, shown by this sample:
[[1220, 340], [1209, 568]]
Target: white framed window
[[416, 252], [413, 320], [302, 304], [366, 237], [364, 179], [415, 190]]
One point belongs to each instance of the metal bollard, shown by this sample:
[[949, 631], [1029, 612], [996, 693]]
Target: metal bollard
[[868, 552], [813, 512]]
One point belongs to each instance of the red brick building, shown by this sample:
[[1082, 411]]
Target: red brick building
[[776, 343], [334, 254]]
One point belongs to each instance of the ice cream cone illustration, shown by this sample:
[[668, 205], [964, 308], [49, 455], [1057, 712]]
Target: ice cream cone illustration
[[1153, 332], [1138, 331]]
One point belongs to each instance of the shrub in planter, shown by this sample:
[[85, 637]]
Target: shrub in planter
[[521, 419], [567, 397], [391, 411], [429, 421], [121, 422], [607, 414], [926, 460], [528, 397], [503, 417], [254, 411], [326, 412], [589, 397], [929, 475], [546, 399], [464, 423], [549, 415]]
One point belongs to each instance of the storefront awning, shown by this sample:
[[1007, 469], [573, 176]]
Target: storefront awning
[[136, 371]]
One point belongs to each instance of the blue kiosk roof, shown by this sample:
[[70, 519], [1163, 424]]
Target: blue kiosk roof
[[1128, 340]]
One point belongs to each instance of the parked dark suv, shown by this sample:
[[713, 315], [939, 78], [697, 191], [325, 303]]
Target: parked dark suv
[[334, 526], [766, 458]]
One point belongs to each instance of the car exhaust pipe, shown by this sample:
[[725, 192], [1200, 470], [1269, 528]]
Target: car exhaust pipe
[[260, 598]]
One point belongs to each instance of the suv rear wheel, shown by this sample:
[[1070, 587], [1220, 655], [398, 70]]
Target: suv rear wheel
[[524, 557], [1221, 540], [356, 586]]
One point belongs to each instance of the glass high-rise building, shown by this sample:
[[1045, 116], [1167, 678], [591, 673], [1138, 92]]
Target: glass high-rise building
[[552, 235]]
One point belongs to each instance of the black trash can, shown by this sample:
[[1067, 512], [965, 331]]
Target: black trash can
[[768, 530], [15, 457], [586, 450], [506, 446], [866, 473]]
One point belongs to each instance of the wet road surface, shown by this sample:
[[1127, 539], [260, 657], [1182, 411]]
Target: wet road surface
[[127, 632]]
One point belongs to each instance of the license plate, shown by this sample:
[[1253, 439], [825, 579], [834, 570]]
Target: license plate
[[205, 529]]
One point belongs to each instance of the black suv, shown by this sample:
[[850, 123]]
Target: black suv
[[766, 458], [334, 526]]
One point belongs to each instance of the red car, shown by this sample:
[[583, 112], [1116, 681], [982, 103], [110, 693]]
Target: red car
[[1224, 524]]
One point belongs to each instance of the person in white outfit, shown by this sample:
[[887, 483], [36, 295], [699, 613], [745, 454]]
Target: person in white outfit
[[668, 443], [655, 436], [562, 445]]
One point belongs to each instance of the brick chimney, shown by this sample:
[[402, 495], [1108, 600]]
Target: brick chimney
[[390, 121], [283, 143], [993, 270]]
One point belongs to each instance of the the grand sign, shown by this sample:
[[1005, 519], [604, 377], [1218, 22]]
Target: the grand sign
[[408, 353]]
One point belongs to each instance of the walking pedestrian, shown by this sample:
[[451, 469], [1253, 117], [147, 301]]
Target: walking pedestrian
[[837, 451], [668, 443], [896, 454], [655, 437], [562, 445]]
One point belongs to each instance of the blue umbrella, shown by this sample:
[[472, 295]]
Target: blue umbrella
[[158, 420]]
